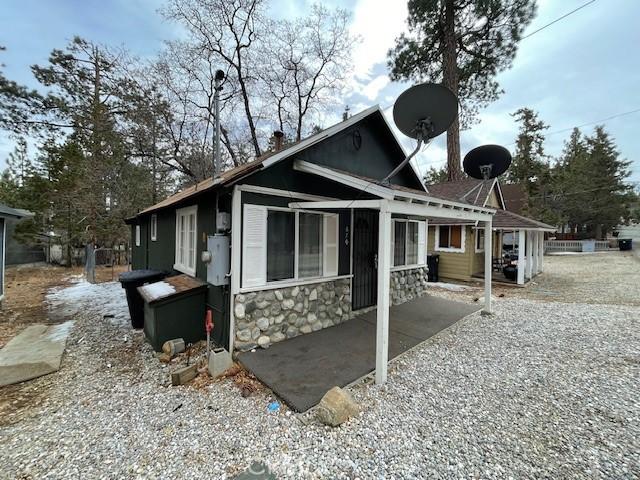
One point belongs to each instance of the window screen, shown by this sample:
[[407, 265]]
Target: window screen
[[280, 245], [412, 243], [399, 243], [443, 241], [456, 236], [310, 245]]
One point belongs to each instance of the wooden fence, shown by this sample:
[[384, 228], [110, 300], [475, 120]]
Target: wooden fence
[[574, 245]]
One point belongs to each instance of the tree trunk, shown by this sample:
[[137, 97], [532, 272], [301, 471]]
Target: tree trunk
[[450, 80]]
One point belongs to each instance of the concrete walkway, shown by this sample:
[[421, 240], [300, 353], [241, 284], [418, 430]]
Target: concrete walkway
[[34, 352], [301, 370]]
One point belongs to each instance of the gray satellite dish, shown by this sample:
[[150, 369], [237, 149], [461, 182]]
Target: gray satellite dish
[[487, 161], [423, 112]]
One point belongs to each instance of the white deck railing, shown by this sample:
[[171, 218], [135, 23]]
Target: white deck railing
[[573, 245]]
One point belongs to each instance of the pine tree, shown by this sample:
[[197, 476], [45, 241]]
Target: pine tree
[[464, 44], [530, 167]]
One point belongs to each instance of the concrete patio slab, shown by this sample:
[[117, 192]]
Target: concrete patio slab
[[301, 370], [34, 352]]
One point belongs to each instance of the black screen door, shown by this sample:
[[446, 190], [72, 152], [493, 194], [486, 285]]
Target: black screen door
[[365, 262]]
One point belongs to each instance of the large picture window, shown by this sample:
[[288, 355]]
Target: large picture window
[[186, 227], [281, 244], [450, 238], [409, 243]]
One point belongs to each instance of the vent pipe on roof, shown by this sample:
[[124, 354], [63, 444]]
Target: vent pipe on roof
[[217, 161]]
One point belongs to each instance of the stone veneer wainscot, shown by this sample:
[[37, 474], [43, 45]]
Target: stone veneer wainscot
[[270, 316], [407, 284]]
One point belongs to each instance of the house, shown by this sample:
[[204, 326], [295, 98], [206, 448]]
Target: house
[[6, 214], [461, 244], [304, 237]]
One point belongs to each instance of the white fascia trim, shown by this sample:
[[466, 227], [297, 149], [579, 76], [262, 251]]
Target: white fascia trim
[[389, 193], [276, 192], [504, 205], [402, 148], [292, 283], [463, 240], [319, 137]]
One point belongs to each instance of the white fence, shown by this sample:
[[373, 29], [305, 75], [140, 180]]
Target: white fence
[[574, 245]]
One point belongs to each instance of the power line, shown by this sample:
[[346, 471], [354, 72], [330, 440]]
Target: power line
[[602, 120], [557, 19]]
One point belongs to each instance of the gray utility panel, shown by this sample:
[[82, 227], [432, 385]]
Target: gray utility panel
[[218, 266]]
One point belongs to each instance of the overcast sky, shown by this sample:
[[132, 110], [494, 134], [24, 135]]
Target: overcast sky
[[580, 70]]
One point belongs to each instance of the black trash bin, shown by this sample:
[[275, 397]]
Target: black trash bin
[[625, 243], [130, 281], [433, 261]]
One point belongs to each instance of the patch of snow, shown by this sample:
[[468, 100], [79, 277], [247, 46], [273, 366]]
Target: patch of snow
[[101, 299], [454, 287], [157, 290], [573, 253], [60, 332]]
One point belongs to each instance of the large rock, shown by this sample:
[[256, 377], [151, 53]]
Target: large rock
[[239, 310], [287, 304], [336, 407], [262, 323]]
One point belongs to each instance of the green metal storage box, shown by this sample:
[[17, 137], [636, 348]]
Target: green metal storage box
[[174, 314]]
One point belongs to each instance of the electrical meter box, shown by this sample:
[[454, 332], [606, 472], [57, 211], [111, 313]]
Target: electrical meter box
[[218, 267], [223, 221]]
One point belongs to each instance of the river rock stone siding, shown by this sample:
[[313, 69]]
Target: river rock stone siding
[[407, 284], [270, 316]]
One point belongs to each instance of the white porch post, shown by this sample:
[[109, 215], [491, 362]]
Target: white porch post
[[541, 253], [529, 251], [534, 252], [521, 246], [382, 320], [488, 254]]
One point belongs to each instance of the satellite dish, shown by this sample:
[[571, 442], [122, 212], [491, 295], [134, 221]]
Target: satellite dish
[[423, 112], [487, 161]]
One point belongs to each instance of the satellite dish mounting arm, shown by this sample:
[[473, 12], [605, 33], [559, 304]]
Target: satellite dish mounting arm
[[424, 132]]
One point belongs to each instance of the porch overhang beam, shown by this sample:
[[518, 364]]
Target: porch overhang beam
[[401, 208], [337, 204]]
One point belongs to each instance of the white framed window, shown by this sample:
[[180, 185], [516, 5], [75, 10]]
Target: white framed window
[[280, 244], [186, 233], [137, 235], [450, 238], [154, 227], [408, 243], [479, 240]]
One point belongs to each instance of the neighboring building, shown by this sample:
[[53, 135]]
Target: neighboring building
[[515, 197], [296, 235], [19, 253], [631, 231], [6, 214], [460, 243]]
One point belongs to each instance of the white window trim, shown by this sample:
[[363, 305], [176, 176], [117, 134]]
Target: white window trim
[[477, 236], [154, 227], [463, 239], [395, 268], [138, 235], [178, 266], [296, 279]]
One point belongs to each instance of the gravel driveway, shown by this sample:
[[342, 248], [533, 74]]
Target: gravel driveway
[[539, 389]]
